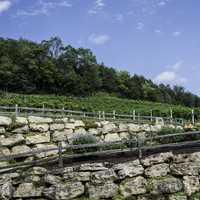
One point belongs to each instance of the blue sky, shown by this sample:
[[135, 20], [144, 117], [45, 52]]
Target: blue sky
[[159, 39]]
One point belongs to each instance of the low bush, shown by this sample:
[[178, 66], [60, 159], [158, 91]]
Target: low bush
[[82, 139]]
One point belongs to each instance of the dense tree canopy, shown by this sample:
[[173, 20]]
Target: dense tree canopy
[[51, 67]]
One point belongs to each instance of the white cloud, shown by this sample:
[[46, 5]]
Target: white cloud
[[176, 33], [4, 5], [140, 26], [171, 76], [166, 76], [98, 5], [157, 31], [119, 17], [177, 65], [43, 7], [98, 39]]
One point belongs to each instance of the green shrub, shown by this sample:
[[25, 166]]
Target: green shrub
[[82, 139]]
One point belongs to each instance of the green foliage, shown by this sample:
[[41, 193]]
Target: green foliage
[[82, 139], [89, 124], [168, 130], [99, 102], [50, 67]]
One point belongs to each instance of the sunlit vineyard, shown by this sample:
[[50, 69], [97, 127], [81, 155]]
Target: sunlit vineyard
[[99, 102]]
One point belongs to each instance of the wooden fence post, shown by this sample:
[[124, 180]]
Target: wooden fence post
[[16, 110], [193, 119], [114, 114], [171, 116], [103, 113], [133, 115], [43, 109], [99, 114], [60, 164], [151, 115]]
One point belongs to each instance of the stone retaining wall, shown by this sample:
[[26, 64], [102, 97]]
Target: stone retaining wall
[[160, 177]]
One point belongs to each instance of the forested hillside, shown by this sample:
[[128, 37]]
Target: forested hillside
[[50, 67]]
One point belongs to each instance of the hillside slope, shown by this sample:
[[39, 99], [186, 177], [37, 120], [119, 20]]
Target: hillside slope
[[97, 103]]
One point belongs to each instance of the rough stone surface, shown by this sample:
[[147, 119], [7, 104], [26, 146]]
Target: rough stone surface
[[188, 168], [21, 121], [38, 138], [92, 167], [61, 135], [69, 190], [39, 127], [12, 140], [104, 191], [129, 169], [28, 190], [5, 121], [39, 120], [20, 149], [57, 127], [191, 184], [133, 186], [48, 153], [166, 185], [112, 137], [157, 170]]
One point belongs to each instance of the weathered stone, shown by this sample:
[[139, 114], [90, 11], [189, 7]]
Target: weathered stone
[[21, 121], [103, 176], [38, 171], [39, 120], [20, 149], [39, 127], [69, 190], [48, 153], [32, 179], [191, 184], [69, 126], [123, 127], [92, 167], [57, 127], [52, 180], [2, 130], [6, 191], [49, 192], [189, 168], [104, 191], [5, 121], [157, 170], [129, 169], [155, 128], [133, 186], [112, 137], [146, 128], [93, 131], [110, 127], [134, 128], [24, 129], [77, 176], [79, 123], [37, 138], [4, 151], [80, 131], [61, 135], [26, 190], [156, 159], [165, 185], [12, 140], [124, 135]]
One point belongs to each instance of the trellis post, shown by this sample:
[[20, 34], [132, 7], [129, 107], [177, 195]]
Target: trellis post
[[60, 155], [16, 110], [193, 119], [133, 115], [114, 114], [151, 115]]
